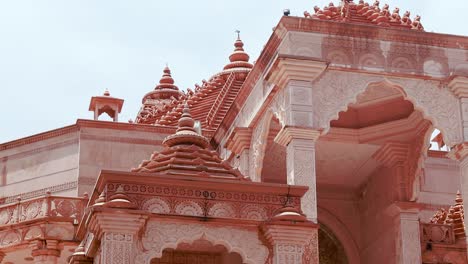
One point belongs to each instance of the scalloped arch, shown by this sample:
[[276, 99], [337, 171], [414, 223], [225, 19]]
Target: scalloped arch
[[335, 91]]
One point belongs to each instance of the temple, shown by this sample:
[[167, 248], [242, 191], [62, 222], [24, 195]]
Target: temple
[[343, 143]]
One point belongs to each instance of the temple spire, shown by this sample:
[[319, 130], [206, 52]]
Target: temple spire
[[239, 58]]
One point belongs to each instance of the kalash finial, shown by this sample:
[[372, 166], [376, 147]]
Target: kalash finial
[[239, 58], [185, 133], [106, 92]]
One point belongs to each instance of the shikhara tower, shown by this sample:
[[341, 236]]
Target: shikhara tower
[[320, 152]]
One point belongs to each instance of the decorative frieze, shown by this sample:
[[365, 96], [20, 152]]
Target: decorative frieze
[[166, 235]]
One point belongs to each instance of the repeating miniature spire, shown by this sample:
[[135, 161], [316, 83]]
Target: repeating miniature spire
[[239, 58], [454, 216], [363, 12], [166, 81], [187, 153]]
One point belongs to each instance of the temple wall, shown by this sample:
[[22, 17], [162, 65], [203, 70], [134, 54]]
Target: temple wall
[[440, 181], [33, 168], [379, 231], [113, 150], [375, 55]]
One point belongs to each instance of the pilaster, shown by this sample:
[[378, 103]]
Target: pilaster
[[118, 235], [408, 242], [395, 155], [239, 144], [45, 251], [459, 86], [300, 164], [293, 238]]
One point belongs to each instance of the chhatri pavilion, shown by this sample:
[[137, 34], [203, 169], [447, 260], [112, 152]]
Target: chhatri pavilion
[[346, 142]]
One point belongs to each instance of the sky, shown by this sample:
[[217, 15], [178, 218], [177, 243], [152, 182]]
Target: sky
[[55, 55]]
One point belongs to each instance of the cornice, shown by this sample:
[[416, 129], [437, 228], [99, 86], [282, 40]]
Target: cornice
[[373, 32], [84, 123], [286, 134], [287, 68], [239, 140], [459, 86], [392, 153]]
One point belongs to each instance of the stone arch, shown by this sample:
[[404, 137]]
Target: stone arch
[[342, 234], [258, 146], [274, 164], [336, 90], [164, 235]]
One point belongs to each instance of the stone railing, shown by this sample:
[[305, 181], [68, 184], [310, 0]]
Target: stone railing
[[56, 208], [437, 233]]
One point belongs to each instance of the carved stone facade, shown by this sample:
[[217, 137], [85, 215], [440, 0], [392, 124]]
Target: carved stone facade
[[322, 147]]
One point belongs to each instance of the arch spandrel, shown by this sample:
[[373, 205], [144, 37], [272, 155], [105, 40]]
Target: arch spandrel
[[335, 90], [164, 235]]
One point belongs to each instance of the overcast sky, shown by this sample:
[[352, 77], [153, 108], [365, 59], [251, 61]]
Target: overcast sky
[[55, 55]]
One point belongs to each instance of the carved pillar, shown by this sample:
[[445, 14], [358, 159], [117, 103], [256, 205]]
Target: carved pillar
[[395, 156], [239, 144], [45, 251], [300, 163], [459, 86], [293, 242], [408, 239], [118, 236]]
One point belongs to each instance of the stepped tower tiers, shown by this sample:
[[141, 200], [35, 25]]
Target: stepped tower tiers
[[365, 13], [208, 102], [155, 101]]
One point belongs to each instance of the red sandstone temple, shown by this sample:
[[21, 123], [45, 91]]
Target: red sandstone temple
[[344, 143]]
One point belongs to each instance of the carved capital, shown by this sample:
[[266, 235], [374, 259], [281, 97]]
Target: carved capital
[[110, 222], [285, 69], [459, 86], [239, 140], [293, 243], [45, 250], [392, 153], [286, 134]]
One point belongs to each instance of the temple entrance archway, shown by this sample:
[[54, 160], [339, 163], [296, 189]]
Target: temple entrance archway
[[368, 161], [201, 251]]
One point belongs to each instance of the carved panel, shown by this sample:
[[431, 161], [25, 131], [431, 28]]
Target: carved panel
[[163, 235], [117, 248], [335, 90], [437, 233]]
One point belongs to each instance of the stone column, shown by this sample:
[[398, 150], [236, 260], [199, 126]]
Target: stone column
[[300, 163], [118, 235], [459, 86], [45, 251], [239, 144], [408, 239], [293, 241], [394, 156]]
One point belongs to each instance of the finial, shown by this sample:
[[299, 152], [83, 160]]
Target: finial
[[186, 121], [238, 33], [106, 92]]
